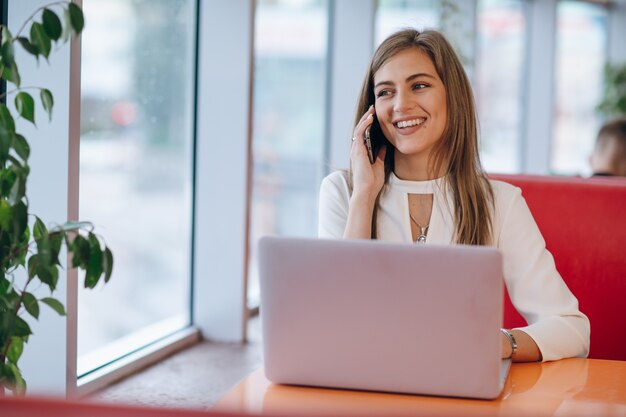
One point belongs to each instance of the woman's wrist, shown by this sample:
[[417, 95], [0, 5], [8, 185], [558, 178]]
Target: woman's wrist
[[363, 198], [509, 346]]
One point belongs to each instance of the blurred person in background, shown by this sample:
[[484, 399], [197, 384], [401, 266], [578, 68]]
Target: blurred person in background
[[609, 154]]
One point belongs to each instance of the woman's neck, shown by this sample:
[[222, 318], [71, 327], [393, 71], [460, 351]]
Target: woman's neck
[[415, 168]]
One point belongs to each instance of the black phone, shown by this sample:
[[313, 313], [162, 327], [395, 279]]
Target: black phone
[[373, 140], [368, 144]]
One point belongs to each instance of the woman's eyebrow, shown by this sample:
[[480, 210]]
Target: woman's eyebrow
[[408, 79], [421, 74]]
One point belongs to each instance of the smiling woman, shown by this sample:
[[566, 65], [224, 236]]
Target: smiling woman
[[427, 186]]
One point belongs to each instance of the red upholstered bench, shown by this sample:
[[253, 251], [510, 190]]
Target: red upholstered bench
[[583, 221], [57, 407]]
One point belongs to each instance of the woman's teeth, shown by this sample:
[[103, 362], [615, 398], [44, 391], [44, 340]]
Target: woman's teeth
[[409, 123]]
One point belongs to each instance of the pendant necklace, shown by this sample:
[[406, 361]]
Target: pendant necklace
[[423, 230]]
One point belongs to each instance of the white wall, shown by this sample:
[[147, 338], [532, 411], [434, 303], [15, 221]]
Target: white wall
[[222, 165]]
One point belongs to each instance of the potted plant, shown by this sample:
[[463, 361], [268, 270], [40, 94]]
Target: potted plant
[[613, 101], [29, 251]]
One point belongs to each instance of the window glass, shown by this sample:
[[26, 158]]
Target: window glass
[[495, 71], [581, 49], [136, 170], [499, 78], [289, 123], [393, 15]]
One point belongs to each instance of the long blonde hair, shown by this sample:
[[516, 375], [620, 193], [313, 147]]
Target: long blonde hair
[[457, 152]]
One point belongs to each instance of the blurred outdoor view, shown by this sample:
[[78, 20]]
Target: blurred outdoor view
[[288, 130], [135, 170], [579, 82]]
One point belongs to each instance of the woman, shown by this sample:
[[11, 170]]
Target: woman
[[426, 185]]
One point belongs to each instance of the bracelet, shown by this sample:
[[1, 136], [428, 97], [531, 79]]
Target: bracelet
[[512, 340]]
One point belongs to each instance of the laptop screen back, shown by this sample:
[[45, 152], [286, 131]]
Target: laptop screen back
[[371, 315]]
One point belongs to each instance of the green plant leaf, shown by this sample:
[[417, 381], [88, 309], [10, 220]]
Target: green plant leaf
[[18, 385], [20, 218], [54, 271], [16, 165], [33, 265], [80, 252], [20, 258], [45, 275], [20, 327], [5, 145], [7, 378], [107, 264], [11, 73], [21, 146], [9, 300], [25, 106], [39, 229], [40, 39], [94, 263], [56, 240], [7, 53], [6, 35], [47, 101], [6, 119], [51, 24], [67, 27], [76, 18], [55, 304], [18, 190], [5, 215], [28, 47], [7, 178], [5, 285], [30, 304], [15, 349]]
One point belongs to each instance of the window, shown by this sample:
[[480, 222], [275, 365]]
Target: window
[[581, 51], [499, 81], [495, 71], [136, 170], [393, 15], [288, 121]]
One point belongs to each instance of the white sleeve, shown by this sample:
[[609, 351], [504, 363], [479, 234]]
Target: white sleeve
[[536, 288], [333, 206]]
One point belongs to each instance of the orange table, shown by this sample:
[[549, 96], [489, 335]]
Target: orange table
[[576, 387]]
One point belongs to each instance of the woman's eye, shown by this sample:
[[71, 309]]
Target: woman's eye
[[419, 86], [383, 93]]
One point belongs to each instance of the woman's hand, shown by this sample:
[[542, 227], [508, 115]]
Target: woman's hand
[[368, 179], [527, 349]]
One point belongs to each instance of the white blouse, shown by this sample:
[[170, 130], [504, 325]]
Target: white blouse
[[535, 287]]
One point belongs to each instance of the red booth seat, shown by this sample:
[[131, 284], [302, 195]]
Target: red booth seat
[[583, 221]]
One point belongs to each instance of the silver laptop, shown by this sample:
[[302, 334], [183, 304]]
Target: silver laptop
[[370, 315]]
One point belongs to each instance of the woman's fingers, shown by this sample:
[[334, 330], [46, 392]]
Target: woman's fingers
[[366, 120]]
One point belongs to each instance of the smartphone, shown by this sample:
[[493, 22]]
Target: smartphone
[[368, 145], [373, 140]]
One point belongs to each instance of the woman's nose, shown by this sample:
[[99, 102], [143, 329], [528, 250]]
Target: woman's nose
[[404, 101]]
